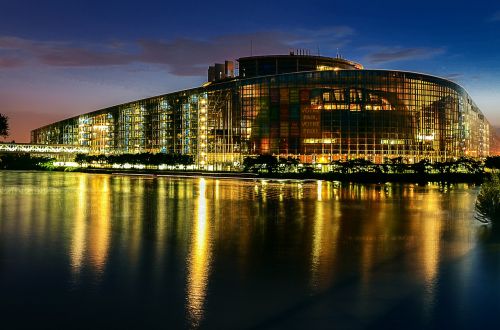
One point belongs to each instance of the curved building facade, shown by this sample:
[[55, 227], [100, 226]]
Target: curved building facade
[[329, 113]]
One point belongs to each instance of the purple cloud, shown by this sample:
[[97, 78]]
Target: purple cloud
[[182, 56], [6, 63]]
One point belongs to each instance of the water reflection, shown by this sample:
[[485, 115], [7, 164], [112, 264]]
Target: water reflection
[[199, 259], [325, 236], [99, 226], [231, 253], [78, 241], [91, 226]]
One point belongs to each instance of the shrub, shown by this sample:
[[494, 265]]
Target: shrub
[[488, 201]]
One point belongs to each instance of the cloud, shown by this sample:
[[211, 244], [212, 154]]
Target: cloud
[[6, 63], [182, 56], [395, 54], [191, 56], [495, 17], [453, 76], [64, 53]]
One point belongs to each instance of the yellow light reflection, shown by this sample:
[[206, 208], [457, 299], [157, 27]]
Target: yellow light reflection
[[324, 248], [430, 247], [77, 251], [199, 260], [161, 219], [319, 190], [318, 243], [99, 230]]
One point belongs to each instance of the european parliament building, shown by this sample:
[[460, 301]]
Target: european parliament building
[[314, 108]]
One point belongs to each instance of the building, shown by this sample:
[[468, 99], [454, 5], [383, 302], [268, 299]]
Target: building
[[318, 109]]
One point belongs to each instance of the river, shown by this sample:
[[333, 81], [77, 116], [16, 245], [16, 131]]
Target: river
[[107, 251]]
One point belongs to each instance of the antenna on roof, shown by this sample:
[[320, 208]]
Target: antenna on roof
[[251, 47], [318, 50]]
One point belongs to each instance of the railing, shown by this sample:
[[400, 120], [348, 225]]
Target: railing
[[42, 148]]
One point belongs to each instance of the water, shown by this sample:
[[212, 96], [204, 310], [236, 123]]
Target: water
[[103, 251]]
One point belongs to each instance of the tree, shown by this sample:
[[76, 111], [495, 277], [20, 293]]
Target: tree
[[493, 162], [4, 125], [267, 163], [80, 159], [488, 201]]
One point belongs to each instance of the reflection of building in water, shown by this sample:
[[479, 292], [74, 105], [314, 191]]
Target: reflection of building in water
[[324, 240], [199, 259], [79, 227], [99, 226], [91, 240], [311, 107]]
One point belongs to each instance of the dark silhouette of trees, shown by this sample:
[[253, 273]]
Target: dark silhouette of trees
[[261, 163], [360, 168], [23, 161], [422, 167], [488, 201], [397, 165], [4, 125], [468, 165], [287, 165], [492, 162], [145, 158]]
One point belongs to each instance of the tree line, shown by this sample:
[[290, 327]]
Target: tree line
[[145, 158], [272, 164], [24, 161]]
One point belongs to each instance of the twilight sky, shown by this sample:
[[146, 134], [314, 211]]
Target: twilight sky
[[60, 58]]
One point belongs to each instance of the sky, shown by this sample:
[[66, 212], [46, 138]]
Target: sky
[[61, 58]]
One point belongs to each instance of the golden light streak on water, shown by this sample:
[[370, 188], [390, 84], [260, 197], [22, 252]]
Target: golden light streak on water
[[324, 240], [428, 227], [319, 190], [431, 228], [317, 246], [77, 250], [161, 227], [134, 225], [99, 230], [199, 260]]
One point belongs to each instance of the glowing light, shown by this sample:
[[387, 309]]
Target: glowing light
[[314, 141], [100, 127], [199, 260], [41, 148], [100, 227], [78, 243], [425, 137], [68, 164], [319, 190]]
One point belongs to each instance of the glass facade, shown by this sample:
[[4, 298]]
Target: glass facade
[[316, 116]]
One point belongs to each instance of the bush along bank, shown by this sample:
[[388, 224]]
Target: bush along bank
[[24, 161], [361, 170], [268, 166], [488, 202]]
